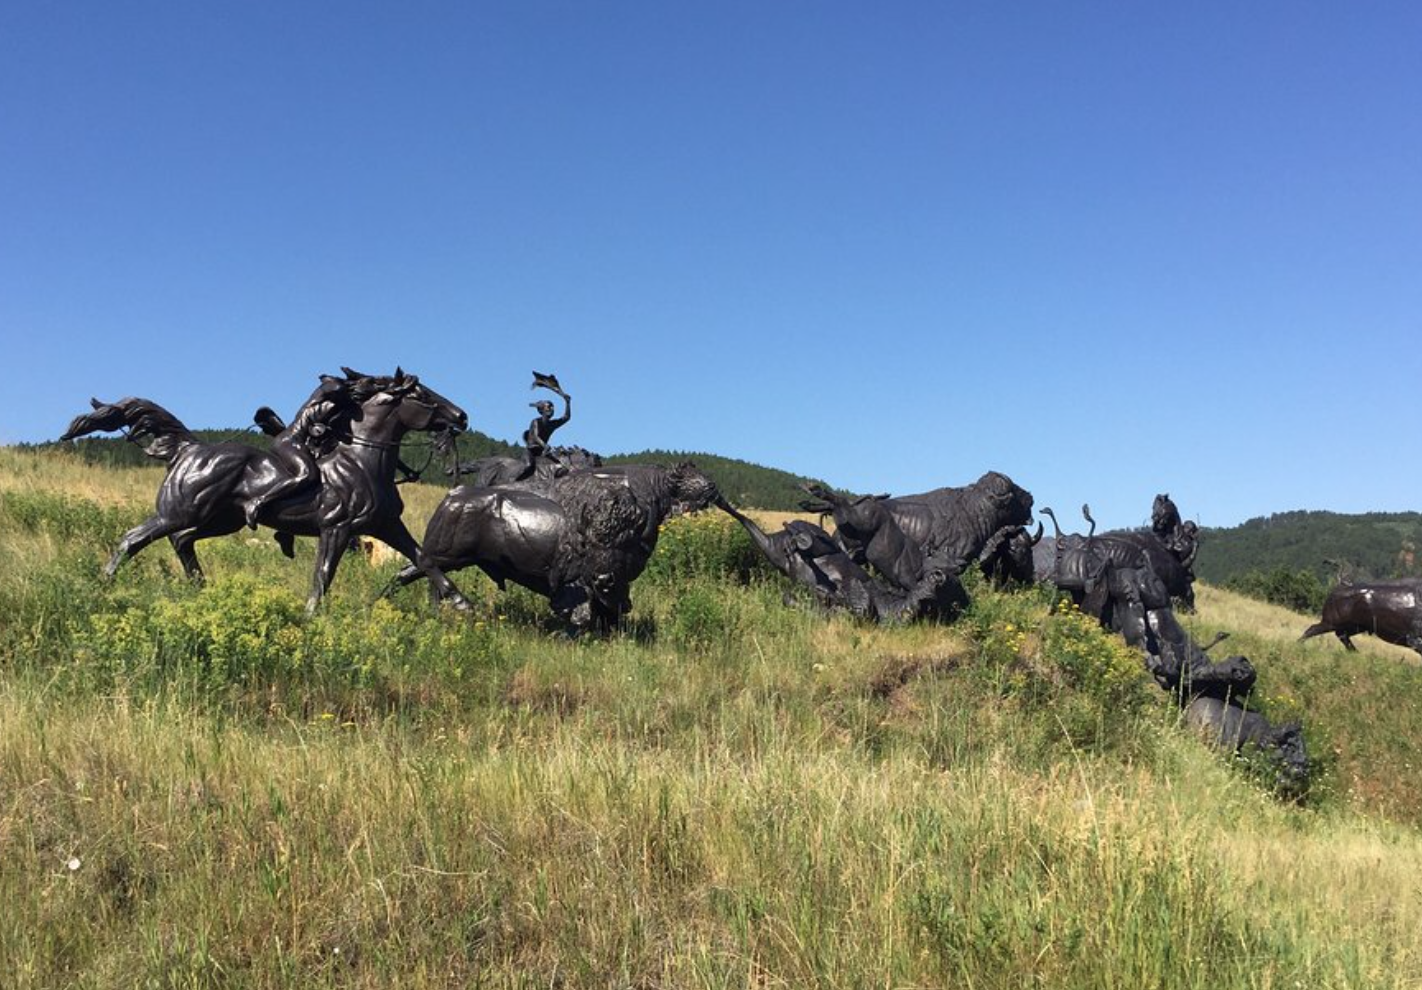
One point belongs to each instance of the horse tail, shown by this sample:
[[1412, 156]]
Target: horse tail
[[142, 417]]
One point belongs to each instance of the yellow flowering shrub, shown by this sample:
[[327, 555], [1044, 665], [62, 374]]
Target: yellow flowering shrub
[[705, 544], [1093, 659]]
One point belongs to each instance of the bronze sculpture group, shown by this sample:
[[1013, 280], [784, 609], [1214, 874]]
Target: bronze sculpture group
[[1130, 582], [557, 521]]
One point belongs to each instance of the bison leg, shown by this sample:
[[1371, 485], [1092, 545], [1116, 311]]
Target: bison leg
[[442, 589]]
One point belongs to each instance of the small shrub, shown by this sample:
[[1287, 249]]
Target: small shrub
[[704, 545], [1301, 590], [1094, 660], [235, 630], [699, 618]]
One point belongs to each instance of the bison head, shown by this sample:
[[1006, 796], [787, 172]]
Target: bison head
[[1164, 516], [1007, 557], [1012, 504], [692, 489]]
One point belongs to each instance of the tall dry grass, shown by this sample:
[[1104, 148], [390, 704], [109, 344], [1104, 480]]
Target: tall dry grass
[[207, 788]]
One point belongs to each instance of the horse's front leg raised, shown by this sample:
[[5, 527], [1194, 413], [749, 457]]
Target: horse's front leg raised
[[330, 547]]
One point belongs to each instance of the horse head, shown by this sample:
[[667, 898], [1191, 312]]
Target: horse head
[[411, 403]]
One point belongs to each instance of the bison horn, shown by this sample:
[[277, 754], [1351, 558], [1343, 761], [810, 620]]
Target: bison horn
[[1047, 511]]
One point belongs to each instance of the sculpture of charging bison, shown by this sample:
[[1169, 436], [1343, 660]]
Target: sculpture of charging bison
[[580, 541], [955, 524], [909, 540], [559, 523], [1390, 610]]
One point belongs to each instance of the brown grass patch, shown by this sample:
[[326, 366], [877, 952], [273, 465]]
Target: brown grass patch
[[527, 690]]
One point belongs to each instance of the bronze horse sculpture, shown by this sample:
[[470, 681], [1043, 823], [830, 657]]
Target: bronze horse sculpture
[[209, 487]]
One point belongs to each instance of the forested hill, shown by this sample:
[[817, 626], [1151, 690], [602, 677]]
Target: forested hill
[[745, 484], [1376, 544]]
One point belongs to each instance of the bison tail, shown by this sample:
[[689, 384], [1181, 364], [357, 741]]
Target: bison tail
[[1317, 629]]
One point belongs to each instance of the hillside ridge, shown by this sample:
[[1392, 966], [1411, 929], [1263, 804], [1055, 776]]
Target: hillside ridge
[[1373, 544]]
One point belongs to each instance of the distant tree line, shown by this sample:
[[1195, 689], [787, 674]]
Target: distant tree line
[[1293, 558], [743, 483], [1301, 590], [1373, 544]]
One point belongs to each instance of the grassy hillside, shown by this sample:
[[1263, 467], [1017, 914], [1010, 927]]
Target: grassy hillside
[[203, 787]]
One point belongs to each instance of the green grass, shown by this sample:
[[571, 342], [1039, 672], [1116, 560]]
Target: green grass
[[206, 788]]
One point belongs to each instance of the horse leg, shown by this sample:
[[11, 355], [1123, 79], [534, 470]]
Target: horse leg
[[442, 589], [287, 542], [187, 556], [330, 547], [154, 528], [184, 542]]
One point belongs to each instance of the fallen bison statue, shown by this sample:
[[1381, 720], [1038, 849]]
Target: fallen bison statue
[[810, 557], [905, 540], [1125, 593], [1233, 728]]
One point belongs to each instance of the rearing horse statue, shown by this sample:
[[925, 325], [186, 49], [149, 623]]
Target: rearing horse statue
[[210, 485]]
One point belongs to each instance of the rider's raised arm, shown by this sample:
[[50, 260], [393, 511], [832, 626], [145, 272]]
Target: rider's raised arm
[[567, 411]]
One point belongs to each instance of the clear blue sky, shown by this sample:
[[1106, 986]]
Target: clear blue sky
[[1110, 249]]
